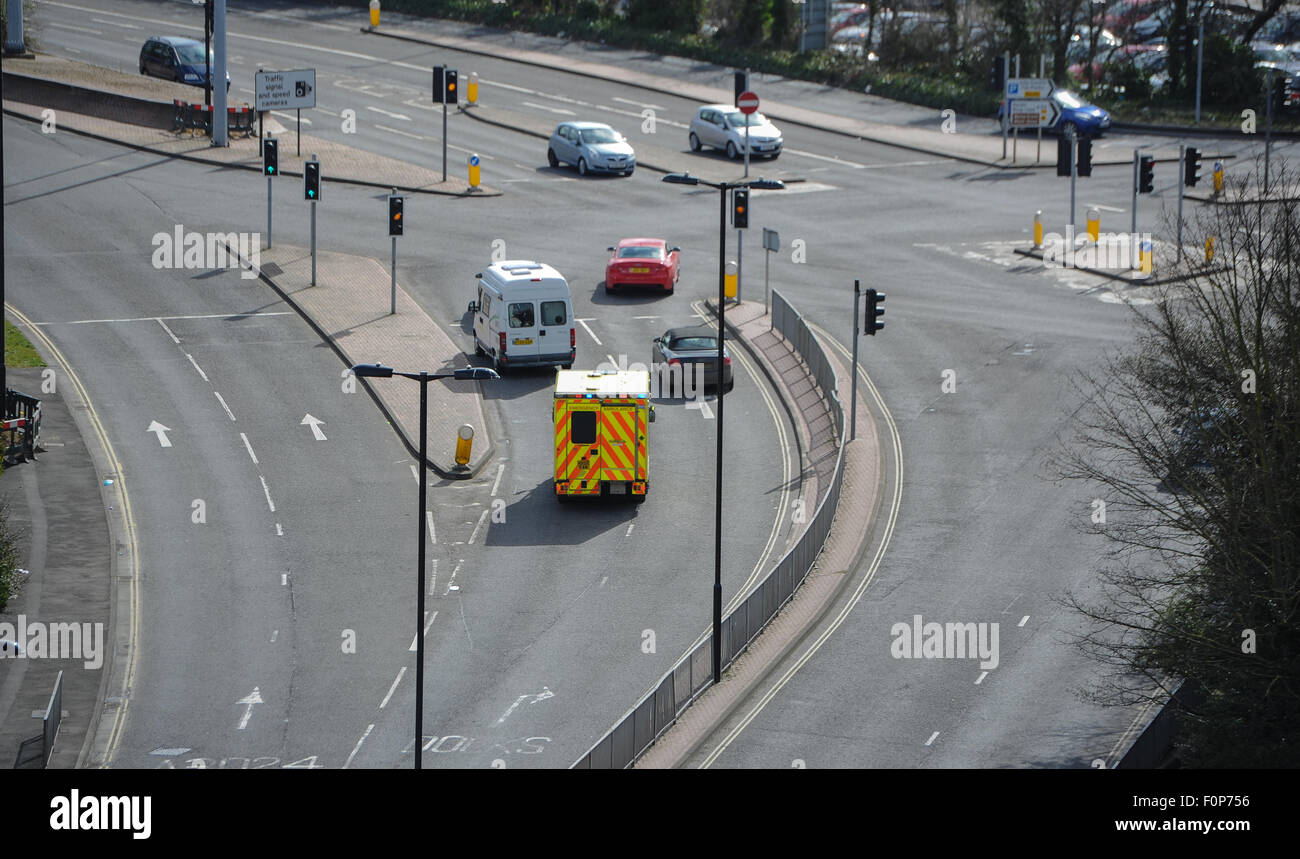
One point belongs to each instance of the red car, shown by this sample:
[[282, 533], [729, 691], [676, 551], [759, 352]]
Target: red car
[[643, 262]]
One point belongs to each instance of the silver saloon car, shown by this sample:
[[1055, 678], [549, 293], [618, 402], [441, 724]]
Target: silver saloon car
[[592, 147], [723, 127]]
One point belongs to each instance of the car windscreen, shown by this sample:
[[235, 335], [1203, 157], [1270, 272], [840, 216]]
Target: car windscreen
[[688, 343], [1068, 99], [599, 135], [737, 119], [640, 252], [190, 54]]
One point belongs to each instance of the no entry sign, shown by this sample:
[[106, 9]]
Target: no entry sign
[[748, 102]]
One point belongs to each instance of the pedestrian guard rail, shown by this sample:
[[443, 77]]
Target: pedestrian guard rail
[[650, 717], [198, 117], [20, 428]]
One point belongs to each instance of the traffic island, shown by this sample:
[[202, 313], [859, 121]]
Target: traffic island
[[1162, 268]]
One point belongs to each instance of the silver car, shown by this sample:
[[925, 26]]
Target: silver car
[[723, 127], [592, 147]]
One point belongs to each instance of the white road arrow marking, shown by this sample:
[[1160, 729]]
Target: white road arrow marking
[[253, 698], [540, 696], [314, 423], [162, 433]]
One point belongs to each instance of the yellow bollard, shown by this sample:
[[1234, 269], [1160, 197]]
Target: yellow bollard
[[730, 278], [1209, 249], [464, 441], [1038, 228], [473, 171], [472, 92], [1218, 177], [1094, 224], [374, 13], [1145, 262]]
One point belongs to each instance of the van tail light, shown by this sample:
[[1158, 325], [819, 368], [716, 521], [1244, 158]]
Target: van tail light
[[573, 338], [674, 361], [501, 342]]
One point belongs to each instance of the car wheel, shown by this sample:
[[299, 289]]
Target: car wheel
[[478, 348], [142, 71], [563, 499], [551, 159], [628, 173], [638, 499], [695, 143], [610, 288], [776, 156], [566, 366], [582, 166], [1069, 129], [496, 365], [668, 290], [732, 152], [727, 387]]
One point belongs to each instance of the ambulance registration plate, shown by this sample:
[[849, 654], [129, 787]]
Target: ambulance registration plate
[[523, 341], [639, 270], [618, 489]]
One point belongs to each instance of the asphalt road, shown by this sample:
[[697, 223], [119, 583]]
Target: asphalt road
[[984, 534]]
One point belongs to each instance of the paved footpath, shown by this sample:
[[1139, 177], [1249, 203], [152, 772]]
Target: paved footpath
[[57, 511]]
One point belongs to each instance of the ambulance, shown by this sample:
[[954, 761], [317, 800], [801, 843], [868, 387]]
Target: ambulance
[[602, 423]]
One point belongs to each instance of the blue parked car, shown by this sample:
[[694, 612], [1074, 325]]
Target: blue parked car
[[1077, 116], [177, 59]]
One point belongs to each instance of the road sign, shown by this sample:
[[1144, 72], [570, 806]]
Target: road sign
[[286, 90], [1034, 112], [748, 102], [1029, 87], [771, 240]]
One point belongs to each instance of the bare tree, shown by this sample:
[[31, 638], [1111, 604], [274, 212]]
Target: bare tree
[[1191, 441]]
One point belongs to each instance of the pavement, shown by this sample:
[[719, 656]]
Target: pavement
[[57, 511]]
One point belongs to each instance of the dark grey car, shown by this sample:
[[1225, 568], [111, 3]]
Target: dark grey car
[[697, 344]]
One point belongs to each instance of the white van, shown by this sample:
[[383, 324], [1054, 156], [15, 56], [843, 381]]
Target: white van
[[523, 316]]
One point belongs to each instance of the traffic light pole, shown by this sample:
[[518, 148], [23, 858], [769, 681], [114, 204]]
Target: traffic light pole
[[717, 521], [313, 234], [1182, 173], [853, 409], [444, 133], [1133, 227], [1074, 173], [268, 213], [392, 281]]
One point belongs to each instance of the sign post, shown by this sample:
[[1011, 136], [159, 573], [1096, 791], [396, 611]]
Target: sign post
[[748, 105], [771, 244], [284, 90]]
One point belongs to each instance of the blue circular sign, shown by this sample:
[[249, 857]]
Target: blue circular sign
[[473, 161]]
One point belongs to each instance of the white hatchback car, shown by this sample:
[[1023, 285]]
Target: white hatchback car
[[723, 127]]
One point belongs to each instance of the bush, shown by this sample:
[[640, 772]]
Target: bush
[[8, 558]]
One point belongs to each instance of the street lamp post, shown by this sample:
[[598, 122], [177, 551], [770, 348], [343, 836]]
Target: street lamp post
[[379, 371], [723, 188]]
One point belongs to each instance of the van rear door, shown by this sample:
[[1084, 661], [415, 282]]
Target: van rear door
[[578, 441], [553, 329], [522, 330], [617, 430]]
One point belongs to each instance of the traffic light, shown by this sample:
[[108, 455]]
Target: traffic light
[[741, 85], [395, 215], [1146, 174], [1191, 166], [270, 157], [1063, 157], [311, 180], [740, 208], [1085, 156], [451, 81], [439, 87], [874, 312]]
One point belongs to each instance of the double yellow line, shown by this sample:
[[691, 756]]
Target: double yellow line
[[129, 566]]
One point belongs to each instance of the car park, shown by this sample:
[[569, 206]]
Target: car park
[[643, 262], [722, 126], [691, 346], [176, 58], [591, 147]]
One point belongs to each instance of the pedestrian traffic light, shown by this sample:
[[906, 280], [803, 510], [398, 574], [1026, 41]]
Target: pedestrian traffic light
[[1084, 166], [1146, 174], [740, 208], [311, 180], [1063, 157], [1191, 166], [270, 157], [395, 215], [874, 312], [439, 87], [451, 81]]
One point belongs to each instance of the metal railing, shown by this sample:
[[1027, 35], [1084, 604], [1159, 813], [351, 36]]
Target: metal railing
[[34, 752], [20, 427], [198, 117], [685, 681]]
